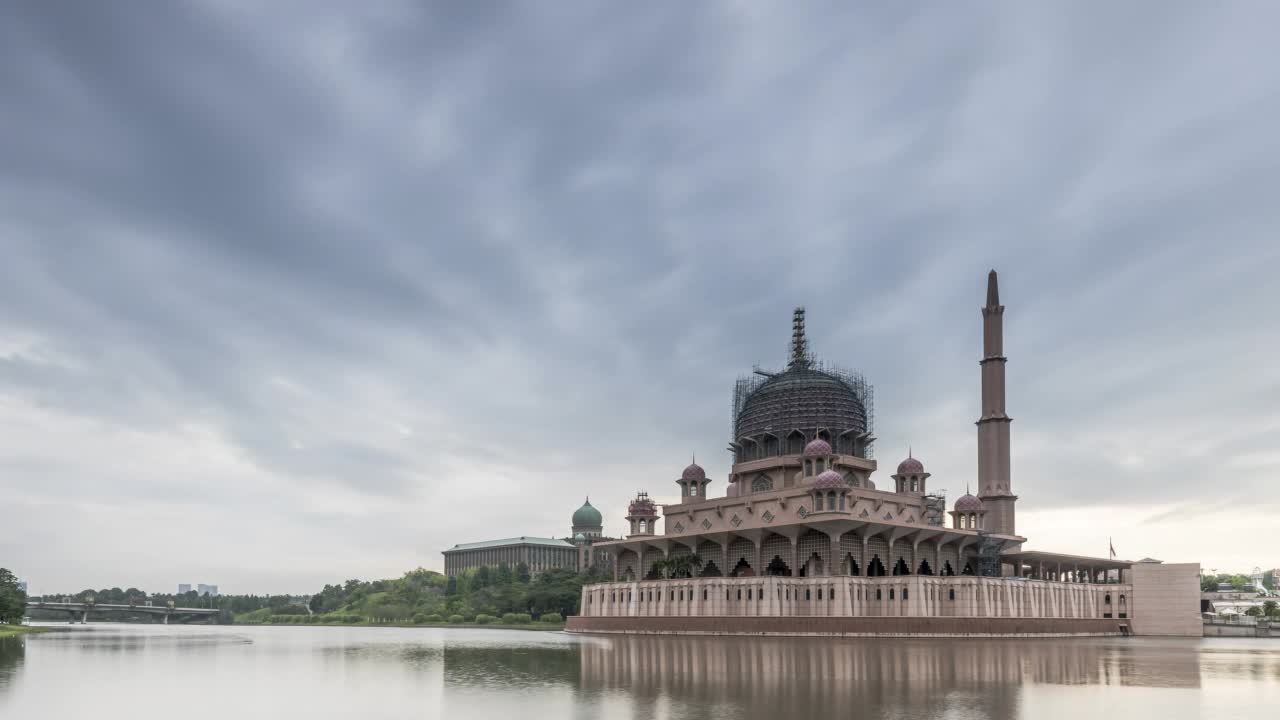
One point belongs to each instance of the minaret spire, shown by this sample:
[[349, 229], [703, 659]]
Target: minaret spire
[[799, 345], [994, 485]]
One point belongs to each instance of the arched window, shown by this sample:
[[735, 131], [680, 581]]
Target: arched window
[[761, 483], [1124, 607], [831, 501], [842, 501], [951, 594], [644, 525], [877, 593], [904, 593], [808, 468]]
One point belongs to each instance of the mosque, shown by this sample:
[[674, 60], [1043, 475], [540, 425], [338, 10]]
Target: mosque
[[804, 540]]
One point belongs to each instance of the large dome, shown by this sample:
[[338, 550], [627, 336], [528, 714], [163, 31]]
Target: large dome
[[587, 516], [801, 398]]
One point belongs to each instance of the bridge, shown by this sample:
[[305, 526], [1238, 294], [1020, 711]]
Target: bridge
[[83, 609]]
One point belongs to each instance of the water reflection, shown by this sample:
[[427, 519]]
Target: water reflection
[[775, 676], [13, 652], [512, 668], [121, 672]]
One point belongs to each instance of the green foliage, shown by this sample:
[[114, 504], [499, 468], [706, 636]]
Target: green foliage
[[1254, 611], [517, 618], [1271, 608], [456, 619], [13, 602], [1209, 583], [551, 617], [483, 619], [434, 618]]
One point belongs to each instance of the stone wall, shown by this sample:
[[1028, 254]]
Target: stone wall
[[847, 626], [1165, 599]]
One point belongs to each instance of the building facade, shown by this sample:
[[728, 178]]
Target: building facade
[[804, 541], [578, 552]]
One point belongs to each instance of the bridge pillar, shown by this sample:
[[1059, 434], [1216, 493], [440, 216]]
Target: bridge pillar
[[84, 618], [166, 618]]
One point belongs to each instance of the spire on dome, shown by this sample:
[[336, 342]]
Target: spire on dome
[[993, 290], [799, 345]]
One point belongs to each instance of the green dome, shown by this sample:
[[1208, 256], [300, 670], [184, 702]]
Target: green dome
[[587, 516]]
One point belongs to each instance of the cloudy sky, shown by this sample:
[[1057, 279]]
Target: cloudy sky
[[292, 294]]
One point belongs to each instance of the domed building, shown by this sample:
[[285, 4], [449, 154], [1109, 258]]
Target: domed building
[[576, 552], [802, 531]]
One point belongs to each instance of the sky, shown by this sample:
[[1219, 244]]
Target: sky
[[297, 292]]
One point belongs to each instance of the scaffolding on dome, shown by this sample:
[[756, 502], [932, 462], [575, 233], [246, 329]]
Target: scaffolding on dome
[[864, 391]]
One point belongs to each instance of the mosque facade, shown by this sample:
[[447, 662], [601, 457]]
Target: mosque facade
[[805, 541]]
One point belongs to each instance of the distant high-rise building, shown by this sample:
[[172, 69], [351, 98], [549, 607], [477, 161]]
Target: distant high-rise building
[[210, 590], [184, 588]]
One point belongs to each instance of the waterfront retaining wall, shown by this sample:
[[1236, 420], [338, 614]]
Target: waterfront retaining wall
[[849, 626]]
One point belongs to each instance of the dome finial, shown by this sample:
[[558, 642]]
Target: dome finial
[[799, 345]]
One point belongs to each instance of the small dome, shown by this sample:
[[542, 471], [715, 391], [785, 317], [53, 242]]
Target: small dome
[[830, 480], [693, 472], [587, 516], [579, 538], [817, 448], [910, 466], [642, 505], [967, 503]]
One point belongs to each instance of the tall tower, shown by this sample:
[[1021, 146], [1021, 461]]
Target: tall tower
[[993, 427]]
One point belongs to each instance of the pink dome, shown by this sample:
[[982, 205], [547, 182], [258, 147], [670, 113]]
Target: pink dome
[[830, 480], [910, 466], [642, 506], [817, 448], [967, 503], [694, 472]]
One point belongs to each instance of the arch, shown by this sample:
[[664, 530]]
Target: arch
[[710, 570], [850, 565], [1124, 607], [777, 567], [831, 500], [795, 442], [924, 568], [951, 594], [875, 568], [947, 570], [968, 569], [900, 567], [761, 483], [644, 524], [812, 566], [742, 569], [808, 468]]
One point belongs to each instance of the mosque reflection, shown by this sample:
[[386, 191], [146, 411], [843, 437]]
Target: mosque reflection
[[926, 678]]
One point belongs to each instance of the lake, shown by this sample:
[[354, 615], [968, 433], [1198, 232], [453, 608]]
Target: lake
[[111, 671]]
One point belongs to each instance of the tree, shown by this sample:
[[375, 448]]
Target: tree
[[1271, 608], [1254, 611], [522, 573], [13, 602]]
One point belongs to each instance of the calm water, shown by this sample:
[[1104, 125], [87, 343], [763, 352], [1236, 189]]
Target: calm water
[[139, 672]]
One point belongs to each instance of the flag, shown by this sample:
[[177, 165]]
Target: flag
[[1113, 548]]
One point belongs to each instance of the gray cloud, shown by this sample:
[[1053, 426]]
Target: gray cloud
[[354, 284]]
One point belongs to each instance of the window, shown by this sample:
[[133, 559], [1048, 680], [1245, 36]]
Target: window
[[807, 595], [890, 593], [951, 594], [643, 525], [808, 468], [904, 593], [819, 593], [761, 483], [704, 593], [878, 593], [831, 501], [831, 594]]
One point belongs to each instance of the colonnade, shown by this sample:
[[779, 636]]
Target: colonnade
[[843, 596]]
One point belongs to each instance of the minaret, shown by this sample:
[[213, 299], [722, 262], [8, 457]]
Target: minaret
[[993, 427]]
